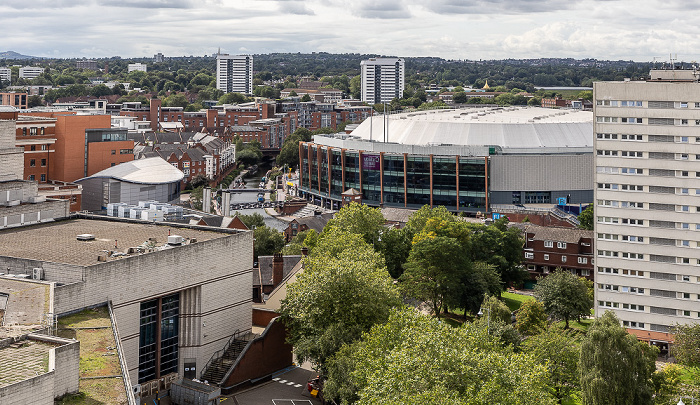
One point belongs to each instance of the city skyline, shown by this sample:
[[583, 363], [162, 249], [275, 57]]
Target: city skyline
[[450, 29]]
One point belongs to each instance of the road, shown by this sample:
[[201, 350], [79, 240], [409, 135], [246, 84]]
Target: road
[[287, 388]]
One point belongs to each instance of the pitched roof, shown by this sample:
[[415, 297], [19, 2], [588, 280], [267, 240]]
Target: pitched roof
[[315, 222], [265, 267], [555, 233], [397, 214]]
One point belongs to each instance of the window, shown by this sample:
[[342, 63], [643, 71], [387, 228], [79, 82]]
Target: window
[[546, 257], [114, 152], [548, 244], [529, 255], [31, 177], [32, 162], [561, 245], [585, 272], [43, 177], [563, 259], [43, 162], [582, 260]]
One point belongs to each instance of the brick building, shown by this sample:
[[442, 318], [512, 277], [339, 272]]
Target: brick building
[[17, 100], [548, 248]]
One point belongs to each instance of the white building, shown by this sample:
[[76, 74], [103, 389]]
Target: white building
[[382, 79], [141, 67], [647, 187], [234, 73], [30, 72], [5, 74]]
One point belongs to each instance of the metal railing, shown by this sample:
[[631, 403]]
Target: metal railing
[[219, 353]]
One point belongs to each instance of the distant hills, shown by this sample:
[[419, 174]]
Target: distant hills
[[15, 55]]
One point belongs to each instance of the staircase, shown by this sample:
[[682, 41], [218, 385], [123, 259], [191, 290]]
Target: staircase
[[221, 362]]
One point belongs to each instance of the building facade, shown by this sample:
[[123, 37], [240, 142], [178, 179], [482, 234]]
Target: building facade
[[465, 160], [647, 158], [17, 100], [382, 79], [30, 72], [234, 73], [137, 67], [6, 75]]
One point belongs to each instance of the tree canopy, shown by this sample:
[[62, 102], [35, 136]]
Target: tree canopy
[[564, 295], [616, 369]]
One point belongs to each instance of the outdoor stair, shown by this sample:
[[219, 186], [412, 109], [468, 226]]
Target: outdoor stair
[[219, 367]]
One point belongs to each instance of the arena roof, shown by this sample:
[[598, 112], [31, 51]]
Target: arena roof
[[153, 170], [507, 127]]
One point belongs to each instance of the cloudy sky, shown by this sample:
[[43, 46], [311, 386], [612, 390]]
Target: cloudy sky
[[454, 29]]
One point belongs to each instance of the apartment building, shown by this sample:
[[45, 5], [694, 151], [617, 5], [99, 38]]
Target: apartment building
[[137, 67], [647, 159], [234, 73], [6, 75], [382, 79], [30, 72]]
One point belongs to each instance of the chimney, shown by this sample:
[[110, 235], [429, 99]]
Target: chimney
[[304, 251], [277, 269]]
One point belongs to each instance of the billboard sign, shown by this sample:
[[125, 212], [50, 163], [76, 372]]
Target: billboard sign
[[370, 162]]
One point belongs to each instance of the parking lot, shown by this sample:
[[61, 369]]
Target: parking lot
[[287, 388]]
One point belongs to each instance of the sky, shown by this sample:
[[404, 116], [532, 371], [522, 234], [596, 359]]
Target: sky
[[638, 30]]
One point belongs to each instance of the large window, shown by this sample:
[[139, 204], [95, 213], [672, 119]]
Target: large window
[[445, 182], [393, 180], [158, 328]]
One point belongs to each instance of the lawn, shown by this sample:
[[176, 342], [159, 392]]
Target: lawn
[[514, 301]]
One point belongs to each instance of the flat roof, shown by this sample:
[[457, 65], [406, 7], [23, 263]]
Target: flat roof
[[57, 241]]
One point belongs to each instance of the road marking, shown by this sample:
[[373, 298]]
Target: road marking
[[282, 381], [297, 386], [276, 379]]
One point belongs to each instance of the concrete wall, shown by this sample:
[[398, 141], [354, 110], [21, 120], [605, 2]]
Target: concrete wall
[[62, 378], [541, 172], [26, 214]]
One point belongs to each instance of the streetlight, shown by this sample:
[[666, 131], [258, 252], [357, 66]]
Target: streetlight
[[488, 321], [692, 400]]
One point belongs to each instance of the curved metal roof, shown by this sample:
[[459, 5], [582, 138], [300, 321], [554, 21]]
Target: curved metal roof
[[153, 170], [508, 127]]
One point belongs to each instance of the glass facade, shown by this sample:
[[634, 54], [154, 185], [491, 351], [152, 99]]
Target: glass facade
[[472, 184], [445, 181], [393, 180], [159, 327], [417, 181]]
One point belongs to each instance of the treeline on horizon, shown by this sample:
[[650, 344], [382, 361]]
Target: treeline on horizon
[[424, 71]]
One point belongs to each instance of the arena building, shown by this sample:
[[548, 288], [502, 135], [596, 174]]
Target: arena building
[[465, 159]]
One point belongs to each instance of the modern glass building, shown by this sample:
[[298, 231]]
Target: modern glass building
[[465, 160]]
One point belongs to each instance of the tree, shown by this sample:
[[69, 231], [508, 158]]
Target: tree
[[359, 219], [413, 359], [289, 153], [252, 221], [232, 98], [586, 218], [460, 97], [563, 295], [667, 384], [395, 246], [247, 156], [616, 369], [433, 267], [356, 87], [305, 98], [343, 291], [686, 345], [559, 351], [34, 101], [418, 219], [531, 318], [268, 241], [199, 180]]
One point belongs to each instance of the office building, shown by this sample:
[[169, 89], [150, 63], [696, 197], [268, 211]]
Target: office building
[[140, 67], [234, 73], [30, 72], [467, 160], [647, 158], [382, 79], [89, 64], [5, 75]]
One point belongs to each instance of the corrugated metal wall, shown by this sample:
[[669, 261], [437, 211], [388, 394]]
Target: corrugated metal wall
[[541, 172]]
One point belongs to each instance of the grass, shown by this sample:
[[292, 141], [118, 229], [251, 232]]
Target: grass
[[690, 375], [98, 357], [576, 325], [514, 301]]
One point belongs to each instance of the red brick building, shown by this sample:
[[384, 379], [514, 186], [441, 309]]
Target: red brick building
[[17, 100], [547, 248]]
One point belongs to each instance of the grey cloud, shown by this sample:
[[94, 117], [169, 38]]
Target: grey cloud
[[497, 6], [380, 9], [295, 7]]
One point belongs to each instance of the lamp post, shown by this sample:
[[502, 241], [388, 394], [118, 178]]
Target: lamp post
[[692, 400], [488, 320]]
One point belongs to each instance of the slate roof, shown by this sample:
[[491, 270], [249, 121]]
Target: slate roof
[[555, 233], [265, 268], [315, 222]]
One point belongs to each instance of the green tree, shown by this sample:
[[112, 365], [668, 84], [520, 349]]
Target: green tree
[[586, 218], [495, 309], [248, 156], [616, 369], [559, 352], [252, 221], [563, 295], [268, 241], [413, 359], [667, 384], [531, 318], [305, 98], [395, 245], [433, 268], [460, 97], [295, 244], [343, 291], [686, 345], [359, 219], [418, 219], [289, 153], [356, 87], [232, 98], [34, 101]]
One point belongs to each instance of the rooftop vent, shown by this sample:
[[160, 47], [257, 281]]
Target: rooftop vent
[[85, 237], [175, 240]]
